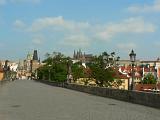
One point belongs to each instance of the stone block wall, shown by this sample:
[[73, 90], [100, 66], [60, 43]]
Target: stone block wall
[[137, 97], [143, 98]]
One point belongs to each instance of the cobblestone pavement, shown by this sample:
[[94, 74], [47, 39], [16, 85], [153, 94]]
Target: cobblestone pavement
[[30, 100]]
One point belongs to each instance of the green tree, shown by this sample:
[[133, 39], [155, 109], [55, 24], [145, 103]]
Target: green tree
[[149, 79], [60, 74], [87, 75], [77, 71], [43, 72], [103, 75], [55, 67], [109, 59]]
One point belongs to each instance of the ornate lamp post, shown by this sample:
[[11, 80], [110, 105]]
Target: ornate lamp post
[[69, 76], [49, 70], [132, 59]]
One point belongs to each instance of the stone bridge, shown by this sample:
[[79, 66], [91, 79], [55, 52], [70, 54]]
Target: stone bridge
[[31, 100]]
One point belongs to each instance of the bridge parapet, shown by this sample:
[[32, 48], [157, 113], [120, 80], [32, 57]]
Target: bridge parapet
[[137, 97], [143, 98]]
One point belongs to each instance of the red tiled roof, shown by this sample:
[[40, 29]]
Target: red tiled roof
[[128, 71], [119, 75]]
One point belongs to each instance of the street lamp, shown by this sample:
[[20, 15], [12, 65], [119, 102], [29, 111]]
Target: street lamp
[[117, 59], [132, 59], [69, 76], [49, 70]]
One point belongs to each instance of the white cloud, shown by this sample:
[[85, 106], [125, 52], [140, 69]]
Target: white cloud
[[131, 25], [75, 31], [155, 7], [126, 46], [76, 41], [18, 24], [57, 23], [38, 40], [101, 31], [157, 44], [82, 34]]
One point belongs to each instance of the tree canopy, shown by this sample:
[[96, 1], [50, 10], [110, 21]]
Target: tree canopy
[[57, 65], [149, 79], [99, 70], [55, 68], [77, 71]]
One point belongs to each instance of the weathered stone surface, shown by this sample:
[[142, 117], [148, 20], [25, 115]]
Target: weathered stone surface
[[143, 98], [30, 100]]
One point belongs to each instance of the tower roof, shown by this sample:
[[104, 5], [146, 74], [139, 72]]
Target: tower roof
[[35, 55]]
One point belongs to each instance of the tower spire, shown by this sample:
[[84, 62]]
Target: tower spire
[[35, 55]]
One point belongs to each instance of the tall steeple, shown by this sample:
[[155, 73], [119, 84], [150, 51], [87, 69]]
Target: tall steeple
[[35, 55], [77, 56]]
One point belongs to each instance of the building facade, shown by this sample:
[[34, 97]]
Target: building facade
[[27, 68]]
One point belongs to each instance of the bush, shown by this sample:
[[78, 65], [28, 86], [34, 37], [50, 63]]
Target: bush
[[149, 79]]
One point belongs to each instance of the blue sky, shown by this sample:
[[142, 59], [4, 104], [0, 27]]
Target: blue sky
[[91, 25]]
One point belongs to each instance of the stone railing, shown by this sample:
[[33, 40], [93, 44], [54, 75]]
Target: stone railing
[[57, 84], [143, 98]]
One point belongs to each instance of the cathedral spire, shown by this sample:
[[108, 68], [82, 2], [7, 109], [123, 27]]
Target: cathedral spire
[[35, 55]]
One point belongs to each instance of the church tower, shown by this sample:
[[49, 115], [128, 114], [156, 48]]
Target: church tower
[[35, 55], [35, 63], [74, 55]]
